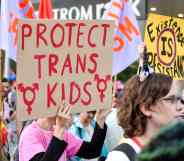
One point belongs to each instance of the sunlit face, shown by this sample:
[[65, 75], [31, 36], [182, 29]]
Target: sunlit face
[[169, 108], [117, 97]]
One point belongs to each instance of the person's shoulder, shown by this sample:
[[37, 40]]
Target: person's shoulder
[[132, 143], [117, 155], [30, 125], [29, 130]]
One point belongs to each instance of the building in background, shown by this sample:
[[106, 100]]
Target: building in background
[[93, 9]]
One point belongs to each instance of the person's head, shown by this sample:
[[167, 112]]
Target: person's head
[[149, 102], [168, 145], [87, 117], [117, 93], [5, 87]]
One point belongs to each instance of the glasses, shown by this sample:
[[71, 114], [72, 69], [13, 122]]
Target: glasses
[[173, 99]]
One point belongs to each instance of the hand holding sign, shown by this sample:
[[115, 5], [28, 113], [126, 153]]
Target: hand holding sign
[[101, 115], [63, 115], [141, 49], [143, 70]]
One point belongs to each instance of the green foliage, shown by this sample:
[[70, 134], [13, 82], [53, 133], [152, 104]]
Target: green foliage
[[127, 73]]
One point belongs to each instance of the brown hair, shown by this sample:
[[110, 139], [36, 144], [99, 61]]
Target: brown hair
[[137, 93]]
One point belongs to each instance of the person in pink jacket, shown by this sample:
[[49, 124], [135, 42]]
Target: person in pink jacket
[[48, 140]]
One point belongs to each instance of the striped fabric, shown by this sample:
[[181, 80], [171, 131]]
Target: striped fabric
[[26, 8]]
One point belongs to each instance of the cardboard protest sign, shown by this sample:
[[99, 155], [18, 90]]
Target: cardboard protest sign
[[164, 37], [63, 60]]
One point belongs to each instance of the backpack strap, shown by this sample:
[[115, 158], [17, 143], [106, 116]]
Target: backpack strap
[[128, 150]]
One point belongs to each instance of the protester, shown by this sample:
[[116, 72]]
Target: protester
[[47, 140], [8, 117], [6, 108], [12, 95], [168, 145], [2, 138], [148, 103], [114, 131], [83, 127], [4, 88]]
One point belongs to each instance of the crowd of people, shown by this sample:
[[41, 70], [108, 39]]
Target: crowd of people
[[8, 117], [143, 107]]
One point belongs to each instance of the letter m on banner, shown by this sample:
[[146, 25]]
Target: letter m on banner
[[127, 35]]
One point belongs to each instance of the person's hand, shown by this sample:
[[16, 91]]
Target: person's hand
[[101, 115], [141, 49], [63, 116]]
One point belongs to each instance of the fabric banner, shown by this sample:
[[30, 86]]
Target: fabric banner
[[11, 12], [127, 35]]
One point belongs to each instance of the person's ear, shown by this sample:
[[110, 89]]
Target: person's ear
[[146, 110]]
